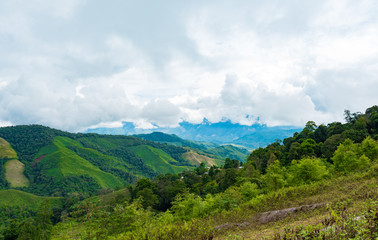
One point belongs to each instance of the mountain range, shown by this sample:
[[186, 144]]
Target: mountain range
[[226, 132]]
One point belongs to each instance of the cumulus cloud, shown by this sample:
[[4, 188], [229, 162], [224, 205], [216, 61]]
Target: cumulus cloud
[[161, 112], [93, 63]]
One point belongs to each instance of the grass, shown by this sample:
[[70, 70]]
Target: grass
[[356, 189], [353, 188], [16, 198], [6, 150], [62, 162], [157, 159], [14, 173]]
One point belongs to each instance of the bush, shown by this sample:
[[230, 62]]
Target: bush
[[307, 170]]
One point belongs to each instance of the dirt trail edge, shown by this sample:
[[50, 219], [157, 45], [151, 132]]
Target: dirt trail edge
[[266, 217]]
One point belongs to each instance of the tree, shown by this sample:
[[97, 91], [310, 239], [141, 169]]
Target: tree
[[347, 158], [142, 184], [307, 170], [330, 145], [275, 177], [260, 158], [148, 198], [320, 134], [369, 148], [43, 220], [308, 148], [227, 178]]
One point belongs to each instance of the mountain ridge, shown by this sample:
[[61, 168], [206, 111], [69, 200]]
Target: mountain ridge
[[226, 132]]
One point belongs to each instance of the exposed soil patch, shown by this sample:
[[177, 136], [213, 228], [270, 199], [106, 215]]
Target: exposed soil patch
[[270, 216], [196, 158], [37, 160]]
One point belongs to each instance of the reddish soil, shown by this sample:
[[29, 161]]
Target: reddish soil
[[37, 160]]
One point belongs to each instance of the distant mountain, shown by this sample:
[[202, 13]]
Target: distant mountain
[[57, 163], [225, 132], [172, 139], [222, 151]]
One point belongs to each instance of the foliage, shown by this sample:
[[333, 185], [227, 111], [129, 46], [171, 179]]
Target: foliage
[[348, 158], [275, 177], [340, 224], [307, 170]]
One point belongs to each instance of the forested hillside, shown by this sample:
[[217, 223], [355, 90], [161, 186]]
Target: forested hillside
[[324, 177], [58, 163]]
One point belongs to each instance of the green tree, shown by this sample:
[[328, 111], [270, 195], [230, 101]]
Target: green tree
[[330, 145], [44, 223], [275, 177], [320, 134], [347, 158], [307, 170], [308, 148], [148, 198], [369, 147], [227, 178], [249, 190]]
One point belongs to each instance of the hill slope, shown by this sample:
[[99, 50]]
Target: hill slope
[[57, 162]]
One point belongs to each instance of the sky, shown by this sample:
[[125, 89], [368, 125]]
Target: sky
[[77, 64]]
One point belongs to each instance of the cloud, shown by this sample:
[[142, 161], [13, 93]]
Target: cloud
[[95, 63], [161, 112]]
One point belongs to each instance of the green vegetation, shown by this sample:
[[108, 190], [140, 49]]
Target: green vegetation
[[157, 159], [6, 150], [13, 198], [20, 214], [340, 224], [58, 163], [324, 176]]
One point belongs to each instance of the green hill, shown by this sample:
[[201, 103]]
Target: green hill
[[57, 163], [16, 198], [159, 160], [218, 151]]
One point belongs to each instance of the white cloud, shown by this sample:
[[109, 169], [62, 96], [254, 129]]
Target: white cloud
[[161, 112], [279, 62]]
